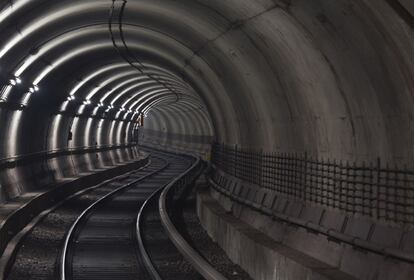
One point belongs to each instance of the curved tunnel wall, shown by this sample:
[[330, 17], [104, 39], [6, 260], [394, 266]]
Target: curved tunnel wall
[[179, 126], [334, 79]]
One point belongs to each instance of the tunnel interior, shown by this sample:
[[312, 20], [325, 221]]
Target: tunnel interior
[[332, 80]]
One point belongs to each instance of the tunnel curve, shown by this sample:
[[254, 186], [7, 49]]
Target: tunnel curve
[[329, 79]]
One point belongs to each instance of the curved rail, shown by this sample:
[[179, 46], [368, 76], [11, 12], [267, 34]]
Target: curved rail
[[69, 235], [199, 263], [146, 258], [10, 251]]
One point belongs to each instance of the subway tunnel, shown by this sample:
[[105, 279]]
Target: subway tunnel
[[223, 139]]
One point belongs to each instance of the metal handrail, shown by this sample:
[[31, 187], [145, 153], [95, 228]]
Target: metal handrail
[[14, 161]]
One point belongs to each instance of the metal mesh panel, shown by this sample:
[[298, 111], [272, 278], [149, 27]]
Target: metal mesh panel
[[368, 189]]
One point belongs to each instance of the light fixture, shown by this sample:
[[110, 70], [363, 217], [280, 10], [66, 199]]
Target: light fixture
[[13, 82], [71, 97], [36, 88], [18, 80], [32, 90]]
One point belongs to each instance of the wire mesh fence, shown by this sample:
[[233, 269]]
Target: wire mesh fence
[[371, 189]]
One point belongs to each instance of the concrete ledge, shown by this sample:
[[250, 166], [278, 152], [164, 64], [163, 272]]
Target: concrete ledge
[[22, 214], [352, 243], [262, 257], [25, 175]]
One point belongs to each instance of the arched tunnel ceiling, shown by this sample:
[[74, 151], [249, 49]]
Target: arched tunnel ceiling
[[334, 78]]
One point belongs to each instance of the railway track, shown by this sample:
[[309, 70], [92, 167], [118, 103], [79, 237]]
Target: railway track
[[93, 235]]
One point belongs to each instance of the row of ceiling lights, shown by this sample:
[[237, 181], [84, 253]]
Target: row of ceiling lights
[[16, 80], [100, 104], [35, 88]]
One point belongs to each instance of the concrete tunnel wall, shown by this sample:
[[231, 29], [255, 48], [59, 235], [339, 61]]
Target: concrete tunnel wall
[[334, 79], [179, 127], [330, 78]]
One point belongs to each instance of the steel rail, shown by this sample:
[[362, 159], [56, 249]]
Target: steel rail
[[63, 260], [198, 262], [11, 249], [146, 258]]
